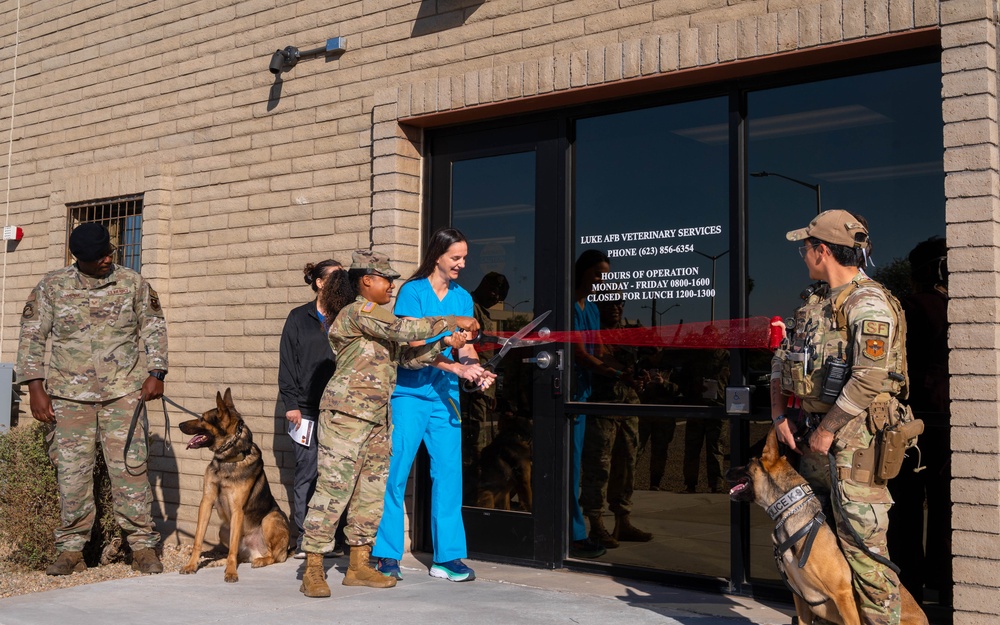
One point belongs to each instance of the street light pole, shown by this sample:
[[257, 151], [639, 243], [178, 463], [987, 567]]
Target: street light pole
[[814, 187], [713, 259]]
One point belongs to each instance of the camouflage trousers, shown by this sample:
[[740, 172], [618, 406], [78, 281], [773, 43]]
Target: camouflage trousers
[[353, 465], [866, 509], [72, 445], [608, 464]]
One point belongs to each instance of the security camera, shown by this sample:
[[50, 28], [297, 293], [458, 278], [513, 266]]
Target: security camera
[[283, 59]]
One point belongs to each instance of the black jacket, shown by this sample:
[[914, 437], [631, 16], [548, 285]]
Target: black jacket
[[306, 361]]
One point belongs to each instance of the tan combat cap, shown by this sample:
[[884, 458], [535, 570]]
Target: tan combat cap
[[373, 262], [833, 226]]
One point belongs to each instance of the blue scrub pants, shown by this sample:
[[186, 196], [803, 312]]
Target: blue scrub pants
[[577, 527], [437, 425]]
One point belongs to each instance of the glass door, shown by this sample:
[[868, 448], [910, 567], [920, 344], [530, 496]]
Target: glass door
[[486, 184], [652, 245]]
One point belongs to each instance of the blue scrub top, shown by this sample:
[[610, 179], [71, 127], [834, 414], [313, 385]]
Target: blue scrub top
[[416, 298], [587, 318]]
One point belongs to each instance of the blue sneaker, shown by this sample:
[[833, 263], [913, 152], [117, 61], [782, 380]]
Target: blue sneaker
[[389, 567], [454, 571]]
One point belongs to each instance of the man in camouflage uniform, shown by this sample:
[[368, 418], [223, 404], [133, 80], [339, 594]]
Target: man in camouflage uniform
[[610, 443], [95, 313], [354, 434], [857, 322]]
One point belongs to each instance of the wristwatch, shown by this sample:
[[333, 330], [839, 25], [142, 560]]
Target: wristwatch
[[778, 419], [159, 375]]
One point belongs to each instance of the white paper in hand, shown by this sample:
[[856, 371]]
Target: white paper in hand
[[303, 433]]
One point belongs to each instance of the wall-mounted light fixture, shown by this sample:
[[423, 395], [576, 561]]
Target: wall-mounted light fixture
[[284, 60]]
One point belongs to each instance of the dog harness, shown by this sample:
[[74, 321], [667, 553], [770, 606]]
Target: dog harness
[[785, 506]]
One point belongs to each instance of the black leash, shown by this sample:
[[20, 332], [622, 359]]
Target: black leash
[[141, 409]]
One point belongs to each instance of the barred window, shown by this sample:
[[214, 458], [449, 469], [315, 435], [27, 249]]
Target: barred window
[[122, 216]]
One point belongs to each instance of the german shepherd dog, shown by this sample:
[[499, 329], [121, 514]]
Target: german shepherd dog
[[822, 584], [505, 466], [236, 486]]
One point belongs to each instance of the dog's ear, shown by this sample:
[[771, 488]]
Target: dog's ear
[[219, 403], [771, 453], [229, 398]]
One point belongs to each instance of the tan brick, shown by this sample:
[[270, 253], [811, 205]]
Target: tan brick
[[767, 33], [746, 34], [708, 44], [788, 30], [809, 26], [688, 52], [900, 15], [968, 58], [953, 11], [669, 48], [854, 19]]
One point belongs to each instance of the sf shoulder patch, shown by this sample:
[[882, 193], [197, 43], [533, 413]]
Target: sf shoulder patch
[[154, 300], [368, 307], [875, 328]]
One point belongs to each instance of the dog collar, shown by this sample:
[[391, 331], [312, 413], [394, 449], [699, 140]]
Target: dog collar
[[237, 458], [788, 500], [233, 440]]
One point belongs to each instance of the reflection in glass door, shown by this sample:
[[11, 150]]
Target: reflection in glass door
[[491, 181], [493, 203], [652, 243]]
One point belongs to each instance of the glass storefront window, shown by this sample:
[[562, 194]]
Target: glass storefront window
[[870, 144], [651, 197]]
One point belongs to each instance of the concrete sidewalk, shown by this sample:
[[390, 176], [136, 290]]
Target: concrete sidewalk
[[502, 594]]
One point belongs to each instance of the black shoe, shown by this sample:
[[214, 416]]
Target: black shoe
[[586, 548]]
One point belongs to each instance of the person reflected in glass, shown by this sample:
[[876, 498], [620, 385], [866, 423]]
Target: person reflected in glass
[[478, 406], [655, 432], [588, 271], [926, 311], [707, 376], [305, 364], [610, 443], [425, 408]]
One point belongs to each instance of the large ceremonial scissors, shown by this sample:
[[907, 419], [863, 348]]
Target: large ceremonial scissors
[[515, 340]]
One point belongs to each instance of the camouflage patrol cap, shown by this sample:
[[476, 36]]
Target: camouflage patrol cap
[[89, 242], [834, 226], [373, 263]]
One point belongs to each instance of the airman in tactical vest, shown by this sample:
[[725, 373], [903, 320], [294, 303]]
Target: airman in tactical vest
[[842, 369]]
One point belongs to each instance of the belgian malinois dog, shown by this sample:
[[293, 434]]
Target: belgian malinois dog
[[812, 565], [236, 486]]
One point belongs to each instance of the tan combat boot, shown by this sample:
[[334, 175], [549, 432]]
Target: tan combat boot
[[361, 573], [314, 579], [625, 531], [600, 534], [146, 561], [66, 563]]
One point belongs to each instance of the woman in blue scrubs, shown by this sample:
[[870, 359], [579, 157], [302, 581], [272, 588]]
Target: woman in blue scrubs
[[426, 408]]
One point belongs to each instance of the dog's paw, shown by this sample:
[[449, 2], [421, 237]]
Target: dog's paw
[[188, 569], [232, 577], [262, 561]]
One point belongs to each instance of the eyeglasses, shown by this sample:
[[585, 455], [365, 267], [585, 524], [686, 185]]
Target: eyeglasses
[[804, 249], [372, 272]]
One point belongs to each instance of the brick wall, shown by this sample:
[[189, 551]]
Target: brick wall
[[247, 178]]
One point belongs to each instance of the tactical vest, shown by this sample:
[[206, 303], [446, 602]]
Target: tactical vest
[[820, 332]]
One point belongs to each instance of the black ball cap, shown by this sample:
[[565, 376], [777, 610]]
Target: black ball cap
[[89, 242]]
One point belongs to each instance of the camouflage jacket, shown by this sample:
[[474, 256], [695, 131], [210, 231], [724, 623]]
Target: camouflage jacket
[[95, 325], [859, 322], [370, 342]]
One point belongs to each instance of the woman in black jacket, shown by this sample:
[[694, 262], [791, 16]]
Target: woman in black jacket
[[306, 364]]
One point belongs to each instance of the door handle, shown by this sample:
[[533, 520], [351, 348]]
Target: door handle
[[542, 360]]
